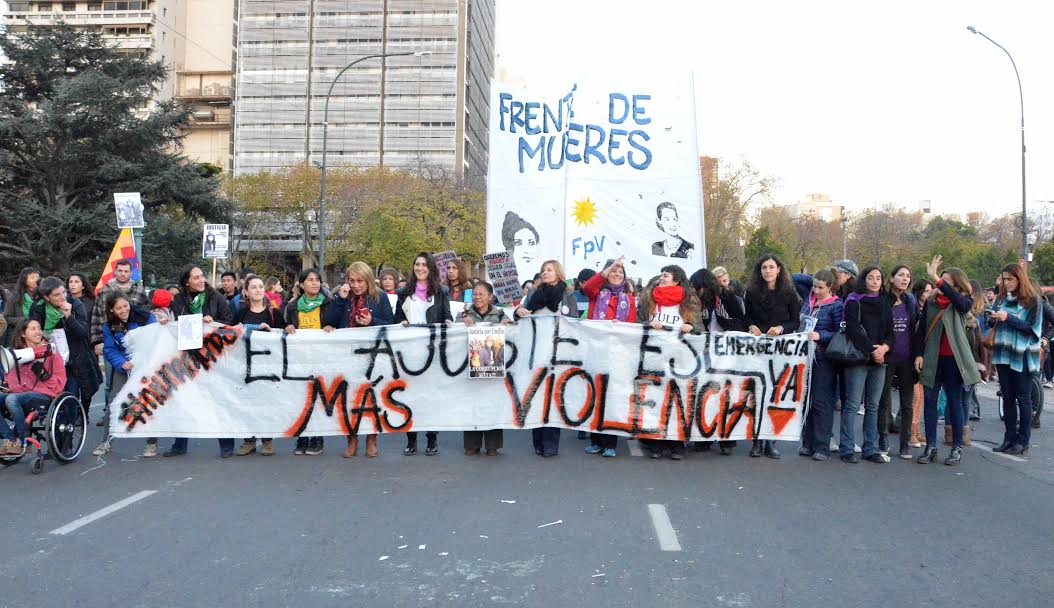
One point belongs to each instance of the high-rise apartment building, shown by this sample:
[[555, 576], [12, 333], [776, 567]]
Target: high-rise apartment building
[[193, 38], [400, 112]]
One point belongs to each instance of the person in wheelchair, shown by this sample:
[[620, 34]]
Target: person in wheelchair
[[43, 378]]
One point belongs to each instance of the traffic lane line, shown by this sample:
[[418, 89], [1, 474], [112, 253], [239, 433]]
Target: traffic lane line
[[103, 512], [663, 528]]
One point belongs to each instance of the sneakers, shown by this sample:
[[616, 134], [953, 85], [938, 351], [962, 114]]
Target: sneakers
[[805, 452], [820, 457], [607, 453], [914, 444], [102, 448], [301, 446], [905, 452], [878, 458], [594, 449], [432, 445], [150, 451], [10, 447], [314, 446], [850, 458], [267, 449], [247, 447]]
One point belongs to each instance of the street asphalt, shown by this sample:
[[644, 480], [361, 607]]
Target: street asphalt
[[519, 530]]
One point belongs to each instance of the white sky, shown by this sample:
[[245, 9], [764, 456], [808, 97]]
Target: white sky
[[896, 102]]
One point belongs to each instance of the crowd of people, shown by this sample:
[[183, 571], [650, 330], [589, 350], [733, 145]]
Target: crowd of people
[[934, 339]]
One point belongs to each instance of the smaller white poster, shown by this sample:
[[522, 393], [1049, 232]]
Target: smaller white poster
[[442, 259], [486, 351], [190, 332], [129, 207], [501, 272], [60, 344], [807, 323], [215, 241]]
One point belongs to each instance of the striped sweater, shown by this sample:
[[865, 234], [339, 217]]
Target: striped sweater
[[1017, 338]]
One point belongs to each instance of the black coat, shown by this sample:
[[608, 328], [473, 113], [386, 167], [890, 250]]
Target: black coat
[[215, 306], [83, 365], [868, 322], [771, 308]]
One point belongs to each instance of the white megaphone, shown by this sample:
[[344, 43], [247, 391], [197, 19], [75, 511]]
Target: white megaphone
[[11, 357]]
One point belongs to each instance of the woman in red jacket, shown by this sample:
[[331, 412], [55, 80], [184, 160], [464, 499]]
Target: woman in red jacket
[[38, 379], [611, 298]]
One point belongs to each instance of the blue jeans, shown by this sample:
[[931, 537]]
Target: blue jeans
[[1017, 388], [17, 404], [949, 378], [816, 434], [179, 444], [546, 439], [863, 384]]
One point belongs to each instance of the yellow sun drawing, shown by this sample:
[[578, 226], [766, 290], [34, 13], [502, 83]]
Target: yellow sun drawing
[[585, 211]]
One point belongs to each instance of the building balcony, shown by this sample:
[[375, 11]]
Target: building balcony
[[14, 19]]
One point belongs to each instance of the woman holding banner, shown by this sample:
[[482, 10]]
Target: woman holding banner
[[610, 298], [121, 318], [773, 309], [309, 311], [257, 312], [550, 296], [669, 303], [360, 304], [826, 307], [197, 297], [483, 310], [423, 301]]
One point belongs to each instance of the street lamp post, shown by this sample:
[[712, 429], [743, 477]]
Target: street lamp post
[[325, 139], [1021, 98]]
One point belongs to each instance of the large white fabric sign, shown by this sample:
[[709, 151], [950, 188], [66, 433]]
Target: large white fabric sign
[[587, 170], [624, 379]]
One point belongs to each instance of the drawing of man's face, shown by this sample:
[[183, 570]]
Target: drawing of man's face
[[668, 221], [525, 250]]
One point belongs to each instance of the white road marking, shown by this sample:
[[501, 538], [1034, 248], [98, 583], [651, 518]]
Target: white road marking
[[989, 450], [634, 448], [663, 528], [117, 506]]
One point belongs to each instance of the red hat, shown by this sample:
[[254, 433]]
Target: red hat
[[161, 298]]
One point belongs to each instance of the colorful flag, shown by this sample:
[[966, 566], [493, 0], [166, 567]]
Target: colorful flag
[[123, 249]]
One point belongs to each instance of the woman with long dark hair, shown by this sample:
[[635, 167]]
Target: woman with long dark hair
[[309, 311], [1019, 315], [773, 309], [943, 357], [458, 286], [26, 383], [121, 318], [21, 299], [79, 289], [423, 301], [827, 308], [904, 310]]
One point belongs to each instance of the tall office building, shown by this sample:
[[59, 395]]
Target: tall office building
[[399, 112], [193, 38]]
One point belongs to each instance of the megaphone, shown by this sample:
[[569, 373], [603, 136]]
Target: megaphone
[[10, 358]]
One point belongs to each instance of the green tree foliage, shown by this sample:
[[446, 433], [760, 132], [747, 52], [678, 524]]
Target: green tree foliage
[[76, 125], [727, 204], [761, 243]]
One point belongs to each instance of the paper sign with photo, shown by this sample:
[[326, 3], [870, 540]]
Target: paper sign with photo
[[129, 208], [486, 351], [60, 344], [190, 332]]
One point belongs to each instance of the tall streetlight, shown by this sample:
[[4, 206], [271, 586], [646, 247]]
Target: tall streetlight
[[1021, 97], [325, 138]]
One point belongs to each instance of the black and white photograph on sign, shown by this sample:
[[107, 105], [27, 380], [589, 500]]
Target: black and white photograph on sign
[[486, 351], [190, 332], [215, 241], [669, 221], [521, 239], [129, 209]]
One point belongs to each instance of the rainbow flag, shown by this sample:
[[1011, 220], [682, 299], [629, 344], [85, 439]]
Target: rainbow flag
[[123, 249]]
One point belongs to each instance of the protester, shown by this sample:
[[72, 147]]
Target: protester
[[1018, 315], [458, 287], [943, 356], [58, 313], [671, 304], [526, 287], [722, 276], [389, 280], [922, 290], [976, 327], [308, 311], [121, 319], [28, 381], [197, 297], [20, 300], [581, 299], [120, 283], [548, 297], [78, 288], [483, 310], [827, 309], [228, 284], [900, 367], [773, 309], [160, 305], [257, 312], [423, 301], [845, 273], [360, 304], [609, 298], [273, 289]]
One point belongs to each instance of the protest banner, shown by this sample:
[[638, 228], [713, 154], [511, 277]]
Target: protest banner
[[215, 241], [501, 273], [619, 378], [486, 351], [585, 170], [129, 209]]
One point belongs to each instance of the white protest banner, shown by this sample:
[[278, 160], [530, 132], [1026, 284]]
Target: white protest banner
[[486, 351], [502, 275], [129, 208], [619, 378], [215, 241], [589, 169]]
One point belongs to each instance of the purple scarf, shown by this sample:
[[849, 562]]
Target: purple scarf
[[600, 311], [857, 297]]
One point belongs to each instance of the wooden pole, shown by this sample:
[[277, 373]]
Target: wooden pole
[[213, 272]]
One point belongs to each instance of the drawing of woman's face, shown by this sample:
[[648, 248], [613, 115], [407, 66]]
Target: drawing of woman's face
[[668, 221], [525, 250]]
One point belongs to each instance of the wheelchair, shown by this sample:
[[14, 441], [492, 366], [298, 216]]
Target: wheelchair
[[60, 423]]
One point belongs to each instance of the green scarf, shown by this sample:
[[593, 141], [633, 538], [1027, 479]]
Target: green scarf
[[27, 304], [306, 304], [196, 303], [52, 317]]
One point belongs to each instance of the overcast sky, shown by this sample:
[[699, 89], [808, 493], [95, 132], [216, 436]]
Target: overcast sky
[[897, 102]]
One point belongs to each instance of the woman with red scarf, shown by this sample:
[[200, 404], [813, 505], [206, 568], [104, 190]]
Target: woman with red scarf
[[610, 299], [669, 303]]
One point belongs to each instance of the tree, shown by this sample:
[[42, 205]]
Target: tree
[[761, 242], [74, 129], [727, 210]]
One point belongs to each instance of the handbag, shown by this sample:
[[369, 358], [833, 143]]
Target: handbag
[[842, 350], [988, 340]]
